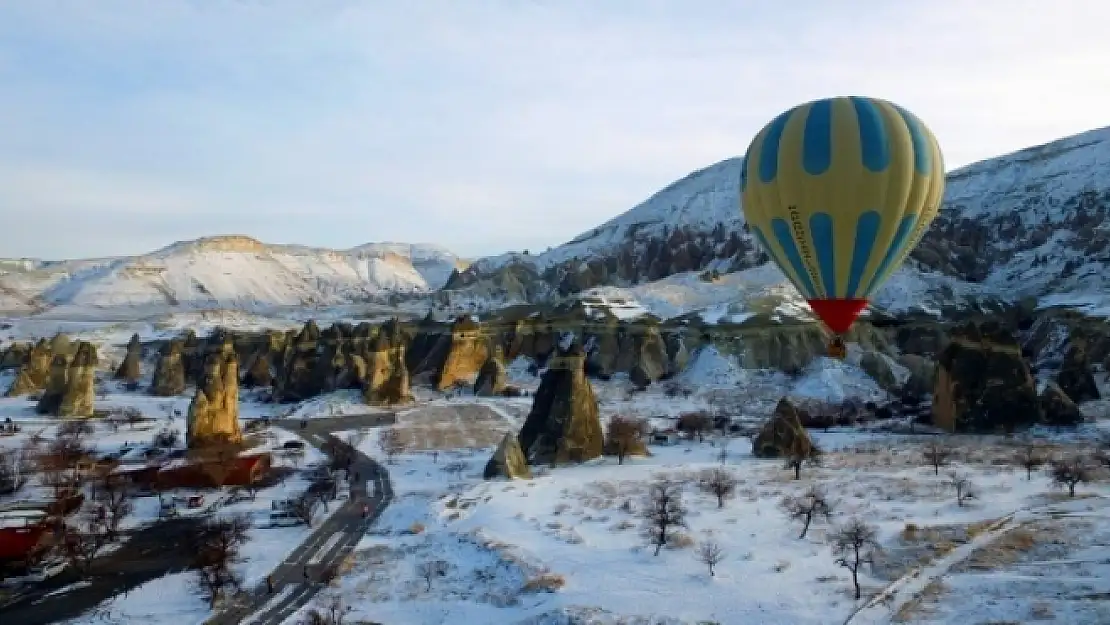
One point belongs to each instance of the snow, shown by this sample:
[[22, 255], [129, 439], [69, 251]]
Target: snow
[[735, 297], [577, 526], [227, 271], [833, 381]]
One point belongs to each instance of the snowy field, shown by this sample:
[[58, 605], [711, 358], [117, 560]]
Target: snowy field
[[570, 540]]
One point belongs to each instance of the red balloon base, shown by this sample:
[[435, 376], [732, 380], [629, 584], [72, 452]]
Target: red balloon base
[[838, 314]]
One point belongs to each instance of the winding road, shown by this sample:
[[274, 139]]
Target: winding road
[[329, 544]]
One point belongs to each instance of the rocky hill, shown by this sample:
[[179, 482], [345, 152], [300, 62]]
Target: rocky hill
[[1033, 223], [225, 272]]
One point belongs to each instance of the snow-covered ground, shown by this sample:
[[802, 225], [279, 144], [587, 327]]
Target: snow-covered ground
[[569, 541]]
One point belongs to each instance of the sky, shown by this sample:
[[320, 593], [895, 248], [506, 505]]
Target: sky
[[480, 125]]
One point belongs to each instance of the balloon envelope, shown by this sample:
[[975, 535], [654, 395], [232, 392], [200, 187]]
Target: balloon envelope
[[838, 192]]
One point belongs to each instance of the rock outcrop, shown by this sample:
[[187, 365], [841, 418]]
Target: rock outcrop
[[563, 425], [508, 461], [131, 369], [169, 372], [34, 373], [880, 367], [460, 354], [70, 391], [387, 377], [922, 371], [492, 378], [213, 417], [983, 383], [1075, 377], [1058, 408], [783, 435]]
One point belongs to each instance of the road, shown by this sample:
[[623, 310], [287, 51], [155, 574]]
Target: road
[[150, 553], [329, 544]]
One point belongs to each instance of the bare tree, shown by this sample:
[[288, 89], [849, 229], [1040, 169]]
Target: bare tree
[[663, 512], [75, 428], [937, 455], [431, 569], [304, 507], [334, 612], [695, 424], [623, 436], [722, 453], [811, 504], [720, 483], [85, 538], [13, 471], [216, 548], [457, 468], [390, 443], [963, 485], [1030, 457], [801, 454], [113, 493], [340, 454], [134, 416], [1070, 472], [710, 554], [855, 544]]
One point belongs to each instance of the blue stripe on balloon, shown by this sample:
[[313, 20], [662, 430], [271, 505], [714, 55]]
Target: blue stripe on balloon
[[922, 159], [821, 228], [786, 241], [817, 138], [769, 155], [897, 246], [867, 230], [758, 232], [873, 140], [744, 168]]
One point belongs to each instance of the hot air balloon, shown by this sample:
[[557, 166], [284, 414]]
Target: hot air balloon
[[838, 192]]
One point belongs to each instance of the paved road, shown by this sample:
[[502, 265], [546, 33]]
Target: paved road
[[150, 553], [329, 544]]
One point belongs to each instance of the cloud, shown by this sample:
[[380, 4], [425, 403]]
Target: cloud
[[482, 126]]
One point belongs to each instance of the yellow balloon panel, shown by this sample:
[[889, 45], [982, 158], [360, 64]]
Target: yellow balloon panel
[[839, 191]]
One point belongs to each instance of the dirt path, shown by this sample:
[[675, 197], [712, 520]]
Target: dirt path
[[881, 608]]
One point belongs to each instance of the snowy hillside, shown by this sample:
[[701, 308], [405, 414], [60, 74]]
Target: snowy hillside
[[1032, 223], [229, 271], [1036, 222], [435, 263], [734, 297]]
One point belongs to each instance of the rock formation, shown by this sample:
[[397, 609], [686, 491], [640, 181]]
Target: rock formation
[[467, 349], [35, 371], [70, 391], [1075, 377], [783, 435], [213, 417], [563, 425], [922, 370], [492, 378], [169, 372], [387, 377], [1058, 408], [508, 461], [982, 383], [880, 368], [130, 370]]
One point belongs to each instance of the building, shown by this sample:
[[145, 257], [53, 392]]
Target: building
[[203, 473], [21, 533]]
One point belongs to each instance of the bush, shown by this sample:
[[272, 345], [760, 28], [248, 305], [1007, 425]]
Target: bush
[[546, 582]]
